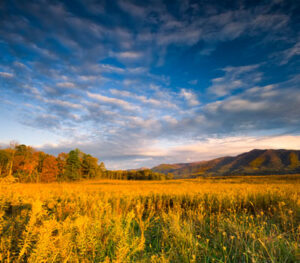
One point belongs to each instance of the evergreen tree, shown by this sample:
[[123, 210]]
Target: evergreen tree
[[73, 165]]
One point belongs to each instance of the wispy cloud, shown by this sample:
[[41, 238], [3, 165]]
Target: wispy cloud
[[129, 54], [6, 75], [241, 77], [112, 101], [66, 85], [291, 52], [143, 99]]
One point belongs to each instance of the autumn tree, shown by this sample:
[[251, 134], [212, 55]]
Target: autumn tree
[[50, 169], [89, 166], [25, 162], [294, 162], [4, 162], [29, 165], [62, 164]]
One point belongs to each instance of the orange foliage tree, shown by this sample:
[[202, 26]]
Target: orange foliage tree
[[50, 169]]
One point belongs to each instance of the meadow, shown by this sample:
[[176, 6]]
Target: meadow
[[232, 219]]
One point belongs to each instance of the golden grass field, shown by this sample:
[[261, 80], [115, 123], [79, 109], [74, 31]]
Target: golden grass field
[[237, 219]]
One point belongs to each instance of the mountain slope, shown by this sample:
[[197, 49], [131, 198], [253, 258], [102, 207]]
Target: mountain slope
[[253, 162]]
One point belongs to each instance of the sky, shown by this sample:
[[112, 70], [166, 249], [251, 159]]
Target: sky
[[139, 83]]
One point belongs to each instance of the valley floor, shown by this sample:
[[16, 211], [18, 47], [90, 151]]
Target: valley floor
[[232, 219]]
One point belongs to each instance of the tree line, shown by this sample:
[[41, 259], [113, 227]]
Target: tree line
[[145, 174], [25, 164]]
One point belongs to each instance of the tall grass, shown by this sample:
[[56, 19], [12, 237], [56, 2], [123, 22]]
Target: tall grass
[[225, 220]]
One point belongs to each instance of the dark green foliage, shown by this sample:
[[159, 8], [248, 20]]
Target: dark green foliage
[[73, 165], [145, 174]]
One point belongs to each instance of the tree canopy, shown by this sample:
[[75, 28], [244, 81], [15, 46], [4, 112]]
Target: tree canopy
[[26, 164]]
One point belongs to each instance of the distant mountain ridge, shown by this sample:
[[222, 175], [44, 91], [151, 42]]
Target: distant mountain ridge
[[255, 162]]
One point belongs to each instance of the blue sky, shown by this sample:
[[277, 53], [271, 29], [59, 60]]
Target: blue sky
[[138, 83]]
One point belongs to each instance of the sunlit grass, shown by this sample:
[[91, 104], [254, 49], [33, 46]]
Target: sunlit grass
[[242, 219]]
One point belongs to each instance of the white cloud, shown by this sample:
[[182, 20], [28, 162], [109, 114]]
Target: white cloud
[[6, 75], [289, 53], [190, 97], [170, 120], [34, 91], [132, 8], [124, 93], [129, 82], [66, 104], [65, 85], [216, 147], [129, 55], [114, 101], [238, 105], [88, 77], [235, 78], [20, 65], [111, 69], [143, 99], [137, 70]]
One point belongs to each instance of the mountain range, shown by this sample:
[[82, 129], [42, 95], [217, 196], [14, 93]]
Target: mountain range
[[255, 162]]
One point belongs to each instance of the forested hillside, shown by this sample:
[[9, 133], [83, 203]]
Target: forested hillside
[[255, 162]]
